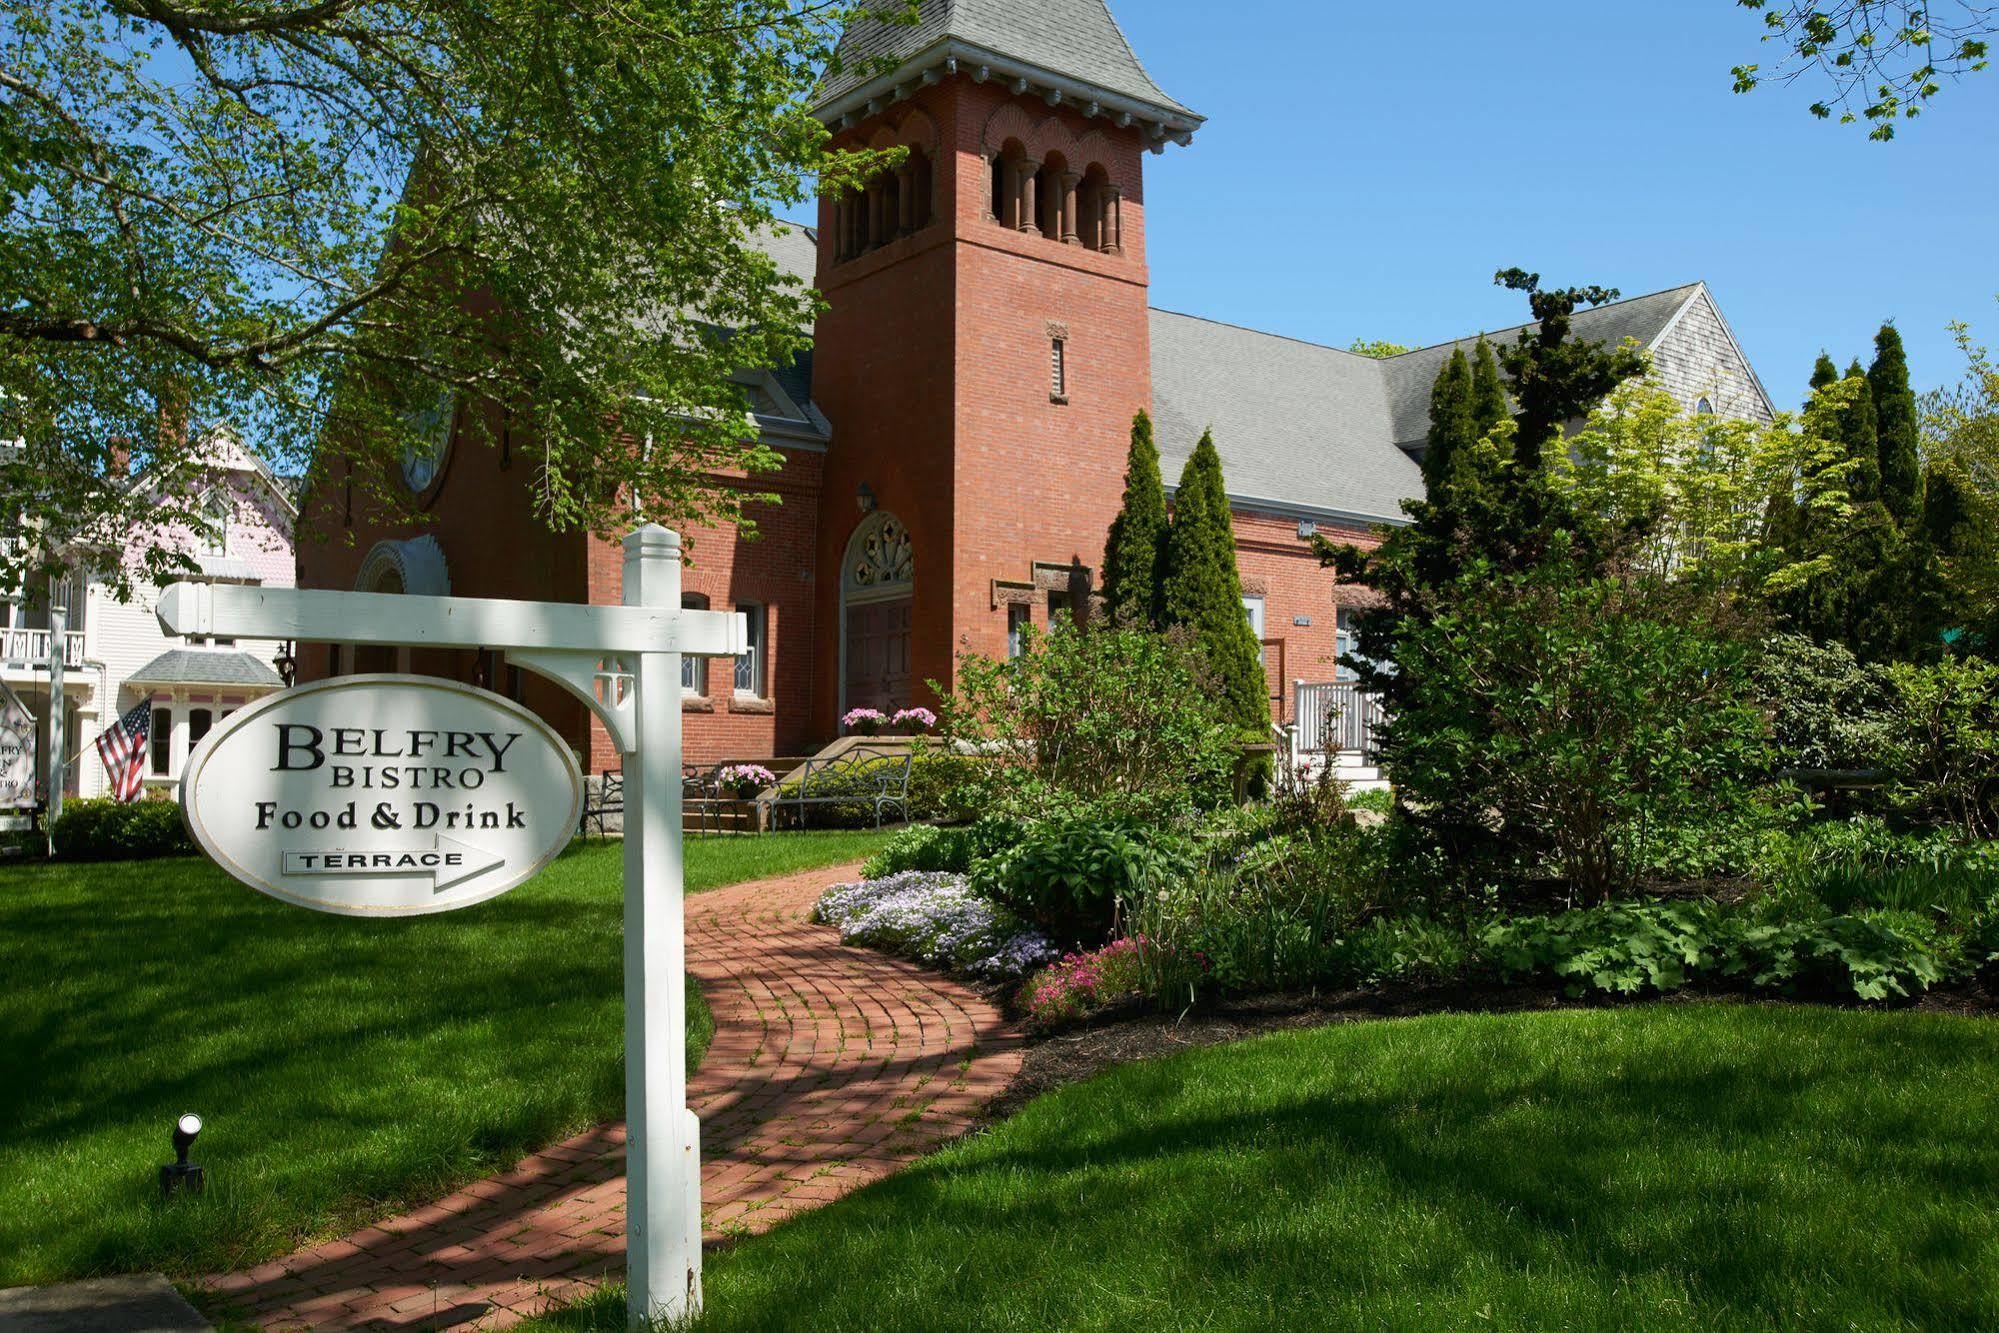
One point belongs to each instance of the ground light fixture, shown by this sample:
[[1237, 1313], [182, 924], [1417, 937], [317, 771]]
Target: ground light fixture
[[183, 1174]]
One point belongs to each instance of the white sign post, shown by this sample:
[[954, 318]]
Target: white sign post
[[624, 663]]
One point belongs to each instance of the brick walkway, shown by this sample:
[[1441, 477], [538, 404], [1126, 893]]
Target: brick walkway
[[831, 1067]]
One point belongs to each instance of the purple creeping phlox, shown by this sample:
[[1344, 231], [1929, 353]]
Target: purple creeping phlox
[[935, 919], [1085, 981]]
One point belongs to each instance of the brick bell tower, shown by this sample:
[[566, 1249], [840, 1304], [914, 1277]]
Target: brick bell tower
[[986, 344]]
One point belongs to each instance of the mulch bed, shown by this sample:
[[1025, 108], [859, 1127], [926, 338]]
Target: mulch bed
[[1130, 1032]]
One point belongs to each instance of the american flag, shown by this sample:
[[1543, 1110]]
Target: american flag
[[123, 750]]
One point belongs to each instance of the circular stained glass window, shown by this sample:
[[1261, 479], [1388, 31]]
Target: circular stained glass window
[[430, 442]]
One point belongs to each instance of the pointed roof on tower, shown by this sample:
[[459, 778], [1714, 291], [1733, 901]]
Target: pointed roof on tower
[[1069, 51]]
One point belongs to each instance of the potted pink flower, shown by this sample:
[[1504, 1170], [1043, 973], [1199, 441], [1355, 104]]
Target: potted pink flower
[[744, 781], [865, 721], [914, 721]]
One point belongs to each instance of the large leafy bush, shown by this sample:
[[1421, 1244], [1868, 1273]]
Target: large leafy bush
[[104, 830], [1944, 743], [1122, 719], [1070, 874], [1555, 725]]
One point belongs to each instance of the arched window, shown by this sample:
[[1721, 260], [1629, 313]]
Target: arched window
[[1101, 211], [1704, 408], [882, 560]]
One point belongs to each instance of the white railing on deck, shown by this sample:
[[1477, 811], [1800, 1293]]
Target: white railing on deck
[[29, 648], [1340, 718]]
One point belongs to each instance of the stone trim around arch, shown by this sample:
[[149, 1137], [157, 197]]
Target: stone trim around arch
[[418, 563]]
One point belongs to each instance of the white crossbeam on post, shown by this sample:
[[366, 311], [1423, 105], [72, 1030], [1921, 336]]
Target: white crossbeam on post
[[377, 618], [639, 646]]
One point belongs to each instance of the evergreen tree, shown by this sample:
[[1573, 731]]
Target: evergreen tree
[[1824, 373], [1558, 378], [1204, 590], [1900, 435], [1489, 406], [1135, 554], [1451, 428], [1859, 427]]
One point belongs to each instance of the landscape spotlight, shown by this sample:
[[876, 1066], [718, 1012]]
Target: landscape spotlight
[[183, 1174]]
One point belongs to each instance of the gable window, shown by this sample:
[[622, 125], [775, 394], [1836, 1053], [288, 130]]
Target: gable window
[[693, 670], [750, 666], [1704, 409], [1058, 380], [215, 526]]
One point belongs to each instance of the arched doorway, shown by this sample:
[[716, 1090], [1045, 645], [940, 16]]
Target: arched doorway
[[876, 585]]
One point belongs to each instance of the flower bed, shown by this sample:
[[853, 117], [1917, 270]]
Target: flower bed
[[934, 919]]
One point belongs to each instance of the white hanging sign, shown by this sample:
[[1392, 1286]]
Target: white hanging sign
[[17, 752], [383, 795]]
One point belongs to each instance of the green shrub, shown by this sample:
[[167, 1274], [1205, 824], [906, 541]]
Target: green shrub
[[1070, 874], [1870, 956], [1375, 800], [1551, 725], [1629, 949], [1945, 743], [953, 850], [1828, 710], [1623, 949], [1405, 949], [105, 830], [1122, 720]]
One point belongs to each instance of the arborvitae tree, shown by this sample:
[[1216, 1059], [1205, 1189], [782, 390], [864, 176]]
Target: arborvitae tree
[[1489, 406], [1859, 427], [1900, 433], [1135, 555], [1204, 589], [1825, 373], [1451, 429]]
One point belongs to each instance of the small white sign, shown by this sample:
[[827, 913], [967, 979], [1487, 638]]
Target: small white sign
[[383, 795]]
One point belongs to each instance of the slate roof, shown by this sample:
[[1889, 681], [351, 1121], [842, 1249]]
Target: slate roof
[[1296, 423], [206, 666], [1412, 375], [1318, 428], [1076, 39]]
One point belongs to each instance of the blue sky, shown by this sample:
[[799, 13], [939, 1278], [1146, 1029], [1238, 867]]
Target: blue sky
[[1367, 166]]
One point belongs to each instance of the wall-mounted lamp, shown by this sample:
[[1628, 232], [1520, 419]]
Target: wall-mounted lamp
[[865, 498], [183, 1174], [286, 664]]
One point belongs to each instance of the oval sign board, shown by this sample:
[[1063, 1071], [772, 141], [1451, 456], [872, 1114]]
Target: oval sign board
[[383, 795]]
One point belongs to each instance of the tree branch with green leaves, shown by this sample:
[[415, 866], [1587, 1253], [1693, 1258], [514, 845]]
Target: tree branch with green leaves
[[309, 222], [1883, 61]]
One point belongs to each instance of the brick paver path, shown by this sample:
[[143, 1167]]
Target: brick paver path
[[830, 1067]]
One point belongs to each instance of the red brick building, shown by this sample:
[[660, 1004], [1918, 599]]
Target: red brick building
[[954, 445]]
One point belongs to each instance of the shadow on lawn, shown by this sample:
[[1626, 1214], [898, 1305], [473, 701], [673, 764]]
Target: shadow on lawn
[[1716, 1172]]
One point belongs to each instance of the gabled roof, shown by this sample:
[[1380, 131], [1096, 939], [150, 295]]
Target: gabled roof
[[206, 666], [1299, 426], [1411, 376], [1069, 49]]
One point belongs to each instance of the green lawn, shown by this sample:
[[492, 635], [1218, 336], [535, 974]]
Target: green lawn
[[344, 1067], [1671, 1167]]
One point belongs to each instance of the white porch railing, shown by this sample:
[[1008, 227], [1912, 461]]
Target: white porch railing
[[27, 649], [1340, 718]]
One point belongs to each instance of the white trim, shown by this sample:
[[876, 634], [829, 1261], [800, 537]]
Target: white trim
[[1164, 122]]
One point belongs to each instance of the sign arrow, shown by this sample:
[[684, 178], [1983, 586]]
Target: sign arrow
[[447, 862]]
